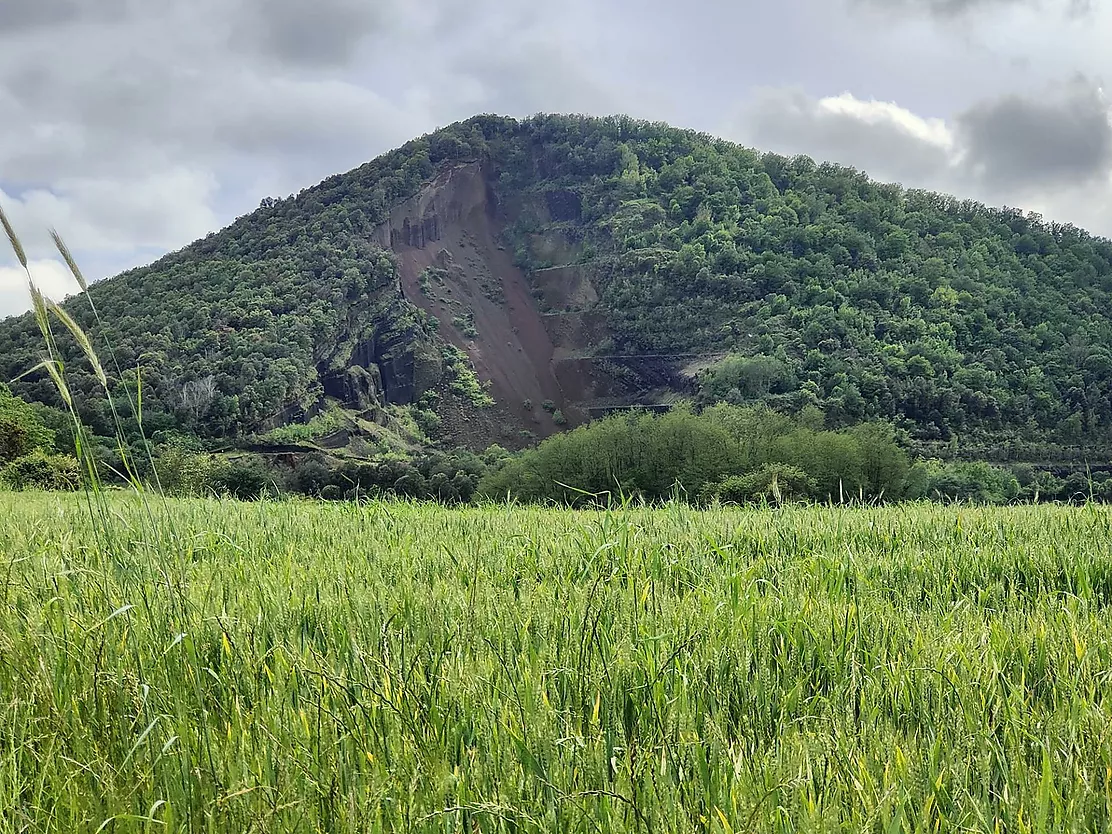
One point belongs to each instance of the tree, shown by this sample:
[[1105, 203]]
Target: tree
[[21, 431], [197, 395], [820, 287], [245, 479]]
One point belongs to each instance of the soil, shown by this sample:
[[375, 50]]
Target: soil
[[564, 289], [575, 334], [454, 266], [530, 340]]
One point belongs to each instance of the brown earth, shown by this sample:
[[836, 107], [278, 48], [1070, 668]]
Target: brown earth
[[563, 289], [574, 334], [482, 300], [530, 339]]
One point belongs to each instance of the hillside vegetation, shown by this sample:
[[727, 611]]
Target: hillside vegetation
[[806, 284]]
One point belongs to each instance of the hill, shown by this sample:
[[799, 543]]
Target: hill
[[498, 279]]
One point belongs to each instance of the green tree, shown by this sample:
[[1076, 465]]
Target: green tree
[[21, 431]]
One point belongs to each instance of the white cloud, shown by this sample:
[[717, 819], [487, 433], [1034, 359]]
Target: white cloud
[[163, 210], [879, 113], [51, 277], [886, 140], [1048, 151]]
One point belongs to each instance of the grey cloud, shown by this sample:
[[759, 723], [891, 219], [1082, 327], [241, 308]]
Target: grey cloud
[[790, 122], [1062, 138], [519, 77], [19, 15], [1050, 152], [166, 88], [300, 32], [321, 33], [1059, 139], [519, 57], [957, 8], [175, 115], [133, 150]]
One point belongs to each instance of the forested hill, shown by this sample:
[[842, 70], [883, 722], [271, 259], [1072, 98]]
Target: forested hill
[[796, 283]]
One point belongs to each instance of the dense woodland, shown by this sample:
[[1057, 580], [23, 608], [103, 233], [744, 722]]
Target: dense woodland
[[948, 319], [747, 455], [865, 299]]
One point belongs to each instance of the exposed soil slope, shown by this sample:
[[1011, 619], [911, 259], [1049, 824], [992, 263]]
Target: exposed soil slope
[[454, 266], [530, 337]]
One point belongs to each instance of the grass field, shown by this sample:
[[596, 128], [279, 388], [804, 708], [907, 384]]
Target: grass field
[[293, 667]]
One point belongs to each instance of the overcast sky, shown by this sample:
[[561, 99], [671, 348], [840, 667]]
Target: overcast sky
[[135, 126]]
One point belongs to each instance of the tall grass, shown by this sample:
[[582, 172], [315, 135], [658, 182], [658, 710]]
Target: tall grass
[[299, 667], [48, 312]]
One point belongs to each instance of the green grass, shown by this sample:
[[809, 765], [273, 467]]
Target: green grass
[[297, 667]]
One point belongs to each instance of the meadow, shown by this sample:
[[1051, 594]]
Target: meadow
[[196, 666]]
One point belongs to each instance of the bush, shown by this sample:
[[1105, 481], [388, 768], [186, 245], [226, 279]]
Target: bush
[[461, 377], [246, 480], [427, 421], [41, 470], [775, 482], [184, 472], [977, 483], [736, 379], [310, 476], [651, 455], [1077, 489], [21, 431]]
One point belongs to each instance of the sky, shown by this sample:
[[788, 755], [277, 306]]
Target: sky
[[135, 127]]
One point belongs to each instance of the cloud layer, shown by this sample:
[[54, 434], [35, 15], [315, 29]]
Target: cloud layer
[[135, 127], [958, 8]]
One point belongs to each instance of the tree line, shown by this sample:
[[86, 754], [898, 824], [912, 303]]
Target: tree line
[[725, 453]]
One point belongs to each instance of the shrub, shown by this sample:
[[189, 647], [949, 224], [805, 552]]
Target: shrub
[[461, 377], [465, 324], [978, 483], [21, 431], [651, 455], [246, 480], [332, 419], [774, 482], [428, 421], [739, 378], [184, 472], [41, 470], [310, 476]]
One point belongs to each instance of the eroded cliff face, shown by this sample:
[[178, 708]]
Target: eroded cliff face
[[530, 339], [454, 265], [388, 357]]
